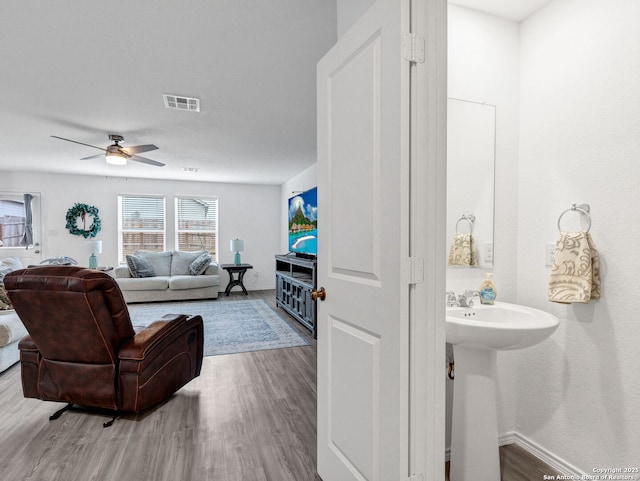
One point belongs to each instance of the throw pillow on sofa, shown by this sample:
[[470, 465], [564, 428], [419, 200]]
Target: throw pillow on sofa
[[199, 265], [4, 270], [9, 264], [160, 261], [139, 267], [181, 261], [5, 303]]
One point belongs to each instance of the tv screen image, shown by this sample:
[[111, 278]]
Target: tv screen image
[[303, 223]]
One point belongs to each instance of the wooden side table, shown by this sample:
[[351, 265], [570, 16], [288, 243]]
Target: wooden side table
[[240, 270]]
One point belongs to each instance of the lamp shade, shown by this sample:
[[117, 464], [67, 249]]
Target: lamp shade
[[236, 245], [96, 246]]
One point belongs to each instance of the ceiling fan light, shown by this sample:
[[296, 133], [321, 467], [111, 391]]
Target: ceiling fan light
[[115, 158]]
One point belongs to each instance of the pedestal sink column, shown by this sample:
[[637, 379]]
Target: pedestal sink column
[[474, 433]]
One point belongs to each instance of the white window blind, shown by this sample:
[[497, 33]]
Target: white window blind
[[141, 224], [197, 224]]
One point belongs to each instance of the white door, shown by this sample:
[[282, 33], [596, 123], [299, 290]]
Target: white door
[[363, 191]]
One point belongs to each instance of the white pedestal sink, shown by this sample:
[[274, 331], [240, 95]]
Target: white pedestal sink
[[476, 333]]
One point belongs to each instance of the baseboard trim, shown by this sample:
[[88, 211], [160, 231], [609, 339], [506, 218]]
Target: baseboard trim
[[544, 455], [556, 462]]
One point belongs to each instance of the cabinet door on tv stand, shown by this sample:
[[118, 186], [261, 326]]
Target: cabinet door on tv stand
[[309, 313], [279, 288]]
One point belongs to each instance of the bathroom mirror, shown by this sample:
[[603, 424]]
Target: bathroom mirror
[[471, 134]]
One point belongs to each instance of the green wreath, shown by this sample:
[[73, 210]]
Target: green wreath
[[82, 211]]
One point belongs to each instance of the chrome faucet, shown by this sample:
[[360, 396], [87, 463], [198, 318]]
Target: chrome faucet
[[466, 299], [452, 301]]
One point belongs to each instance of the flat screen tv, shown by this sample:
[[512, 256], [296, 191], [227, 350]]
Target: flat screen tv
[[303, 223]]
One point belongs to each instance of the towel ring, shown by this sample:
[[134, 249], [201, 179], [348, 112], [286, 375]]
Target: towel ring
[[470, 218], [582, 209]]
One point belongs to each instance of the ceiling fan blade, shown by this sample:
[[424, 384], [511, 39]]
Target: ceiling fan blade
[[93, 157], [144, 160], [138, 149], [76, 142]]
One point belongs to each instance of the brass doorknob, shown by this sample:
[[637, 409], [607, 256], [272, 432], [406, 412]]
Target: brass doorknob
[[321, 294]]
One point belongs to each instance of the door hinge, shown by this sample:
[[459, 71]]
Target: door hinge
[[413, 270], [415, 477], [413, 48]]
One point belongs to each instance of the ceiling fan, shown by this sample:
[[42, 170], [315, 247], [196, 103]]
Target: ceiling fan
[[118, 155]]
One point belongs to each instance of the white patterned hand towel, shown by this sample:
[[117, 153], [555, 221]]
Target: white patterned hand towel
[[463, 251], [575, 272]]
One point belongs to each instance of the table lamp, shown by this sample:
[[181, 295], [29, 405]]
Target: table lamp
[[96, 248], [237, 246]]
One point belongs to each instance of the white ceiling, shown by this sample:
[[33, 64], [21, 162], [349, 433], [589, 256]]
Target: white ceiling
[[516, 10], [82, 69]]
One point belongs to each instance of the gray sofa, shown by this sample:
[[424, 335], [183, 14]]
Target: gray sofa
[[172, 280]]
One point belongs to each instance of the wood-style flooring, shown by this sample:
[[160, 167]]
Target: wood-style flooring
[[248, 417]]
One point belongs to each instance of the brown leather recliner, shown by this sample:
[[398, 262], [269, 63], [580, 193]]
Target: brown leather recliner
[[82, 349]]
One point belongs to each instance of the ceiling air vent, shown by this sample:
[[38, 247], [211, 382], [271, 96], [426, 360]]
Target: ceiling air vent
[[181, 103]]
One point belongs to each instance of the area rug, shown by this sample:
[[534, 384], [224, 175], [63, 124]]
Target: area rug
[[229, 326]]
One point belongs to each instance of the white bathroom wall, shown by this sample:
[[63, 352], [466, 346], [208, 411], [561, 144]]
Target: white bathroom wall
[[483, 63], [578, 393], [249, 212]]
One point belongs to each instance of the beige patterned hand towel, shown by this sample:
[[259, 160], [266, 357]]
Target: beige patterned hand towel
[[575, 272], [463, 251]]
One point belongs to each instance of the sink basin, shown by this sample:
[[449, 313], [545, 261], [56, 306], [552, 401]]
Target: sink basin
[[502, 326], [476, 334]]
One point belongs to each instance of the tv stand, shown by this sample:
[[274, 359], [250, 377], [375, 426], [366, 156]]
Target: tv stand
[[295, 280]]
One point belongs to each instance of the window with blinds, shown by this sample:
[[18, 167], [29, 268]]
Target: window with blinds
[[197, 224], [141, 224]]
